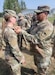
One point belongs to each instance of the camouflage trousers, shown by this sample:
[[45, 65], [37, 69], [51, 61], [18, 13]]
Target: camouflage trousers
[[43, 63]]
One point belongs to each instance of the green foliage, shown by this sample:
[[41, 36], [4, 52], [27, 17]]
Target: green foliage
[[0, 19], [12, 4], [23, 5], [1, 14], [51, 19]]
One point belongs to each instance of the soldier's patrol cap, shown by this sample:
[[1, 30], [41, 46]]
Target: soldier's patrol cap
[[20, 15], [41, 9], [10, 12]]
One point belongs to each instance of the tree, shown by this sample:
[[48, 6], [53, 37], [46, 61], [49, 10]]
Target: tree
[[12, 4], [23, 5]]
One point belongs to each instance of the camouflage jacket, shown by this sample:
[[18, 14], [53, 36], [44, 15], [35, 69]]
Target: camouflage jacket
[[24, 24], [40, 33], [12, 48]]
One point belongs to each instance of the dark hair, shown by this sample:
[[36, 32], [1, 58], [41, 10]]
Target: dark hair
[[5, 68]]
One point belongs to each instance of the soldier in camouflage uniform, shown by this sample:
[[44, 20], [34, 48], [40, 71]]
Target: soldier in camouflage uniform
[[13, 54], [40, 37], [23, 23]]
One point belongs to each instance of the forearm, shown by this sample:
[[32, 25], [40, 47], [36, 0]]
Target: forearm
[[30, 37]]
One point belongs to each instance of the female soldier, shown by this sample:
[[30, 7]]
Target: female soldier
[[13, 54]]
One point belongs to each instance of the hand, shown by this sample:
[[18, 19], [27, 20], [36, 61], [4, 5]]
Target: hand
[[22, 60], [17, 29]]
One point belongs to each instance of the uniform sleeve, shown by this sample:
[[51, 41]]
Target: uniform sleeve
[[44, 33], [30, 37], [12, 39]]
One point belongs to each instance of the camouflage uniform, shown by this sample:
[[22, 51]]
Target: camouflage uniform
[[23, 23], [13, 54], [41, 33]]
